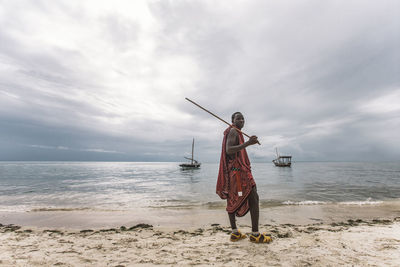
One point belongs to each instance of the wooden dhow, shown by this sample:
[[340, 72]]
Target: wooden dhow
[[194, 164], [282, 161]]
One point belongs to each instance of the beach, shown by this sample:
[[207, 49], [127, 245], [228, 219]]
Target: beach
[[145, 214], [351, 243], [308, 235]]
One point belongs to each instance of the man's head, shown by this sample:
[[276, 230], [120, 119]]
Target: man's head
[[238, 120]]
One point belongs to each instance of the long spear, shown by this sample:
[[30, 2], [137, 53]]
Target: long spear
[[218, 117]]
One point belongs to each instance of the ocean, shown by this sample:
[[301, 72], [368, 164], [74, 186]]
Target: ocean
[[126, 186]]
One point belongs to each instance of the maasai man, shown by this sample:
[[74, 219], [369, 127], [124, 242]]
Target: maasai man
[[235, 181]]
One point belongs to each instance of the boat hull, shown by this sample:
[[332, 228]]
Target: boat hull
[[189, 166], [277, 164]]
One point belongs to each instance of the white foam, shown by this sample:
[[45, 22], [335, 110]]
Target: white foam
[[19, 208], [305, 202], [313, 202], [361, 203]]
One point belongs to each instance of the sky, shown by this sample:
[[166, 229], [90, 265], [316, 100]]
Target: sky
[[107, 80]]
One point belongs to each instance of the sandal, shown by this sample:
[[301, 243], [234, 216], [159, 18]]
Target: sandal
[[260, 238], [237, 236]]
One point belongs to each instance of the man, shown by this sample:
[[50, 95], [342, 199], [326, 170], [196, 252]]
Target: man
[[235, 181]]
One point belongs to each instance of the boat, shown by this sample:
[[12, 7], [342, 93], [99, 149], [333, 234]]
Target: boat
[[193, 164], [282, 161]]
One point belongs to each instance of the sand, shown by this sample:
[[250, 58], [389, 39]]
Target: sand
[[351, 243], [185, 218]]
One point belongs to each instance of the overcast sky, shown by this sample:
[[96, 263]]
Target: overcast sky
[[107, 80]]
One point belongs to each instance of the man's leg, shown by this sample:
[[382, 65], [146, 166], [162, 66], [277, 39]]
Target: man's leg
[[236, 235], [256, 237], [232, 220], [254, 209]]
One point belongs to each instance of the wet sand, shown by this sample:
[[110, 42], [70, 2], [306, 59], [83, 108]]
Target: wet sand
[[186, 218]]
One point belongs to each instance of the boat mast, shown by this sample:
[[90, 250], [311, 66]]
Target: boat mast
[[192, 150]]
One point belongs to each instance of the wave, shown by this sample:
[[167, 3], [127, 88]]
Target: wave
[[305, 202], [182, 204], [368, 201], [221, 204], [61, 209], [53, 209], [361, 203]]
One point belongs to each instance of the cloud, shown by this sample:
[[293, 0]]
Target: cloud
[[97, 150], [110, 78], [384, 104]]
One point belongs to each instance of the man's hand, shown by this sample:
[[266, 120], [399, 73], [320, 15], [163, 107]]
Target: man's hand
[[252, 140]]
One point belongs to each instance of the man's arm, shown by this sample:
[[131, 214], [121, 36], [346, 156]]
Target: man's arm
[[232, 142]]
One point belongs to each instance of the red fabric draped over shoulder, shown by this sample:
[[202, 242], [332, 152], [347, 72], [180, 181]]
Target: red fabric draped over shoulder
[[227, 183]]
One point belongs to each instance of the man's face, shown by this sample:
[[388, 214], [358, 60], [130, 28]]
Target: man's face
[[238, 120]]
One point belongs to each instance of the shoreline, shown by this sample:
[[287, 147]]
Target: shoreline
[[349, 243], [191, 218]]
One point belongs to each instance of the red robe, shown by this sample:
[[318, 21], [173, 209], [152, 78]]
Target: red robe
[[228, 177]]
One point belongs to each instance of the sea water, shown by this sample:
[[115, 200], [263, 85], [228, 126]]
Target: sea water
[[124, 186]]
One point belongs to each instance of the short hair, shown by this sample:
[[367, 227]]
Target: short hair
[[234, 114]]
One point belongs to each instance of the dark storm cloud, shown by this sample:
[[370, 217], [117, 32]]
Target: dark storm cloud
[[319, 80], [304, 69]]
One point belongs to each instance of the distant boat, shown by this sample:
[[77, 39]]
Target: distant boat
[[282, 161], [194, 164]]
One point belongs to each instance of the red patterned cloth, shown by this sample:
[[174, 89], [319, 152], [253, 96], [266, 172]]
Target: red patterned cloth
[[228, 175]]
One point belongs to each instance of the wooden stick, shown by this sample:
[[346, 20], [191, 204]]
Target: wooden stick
[[218, 118]]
